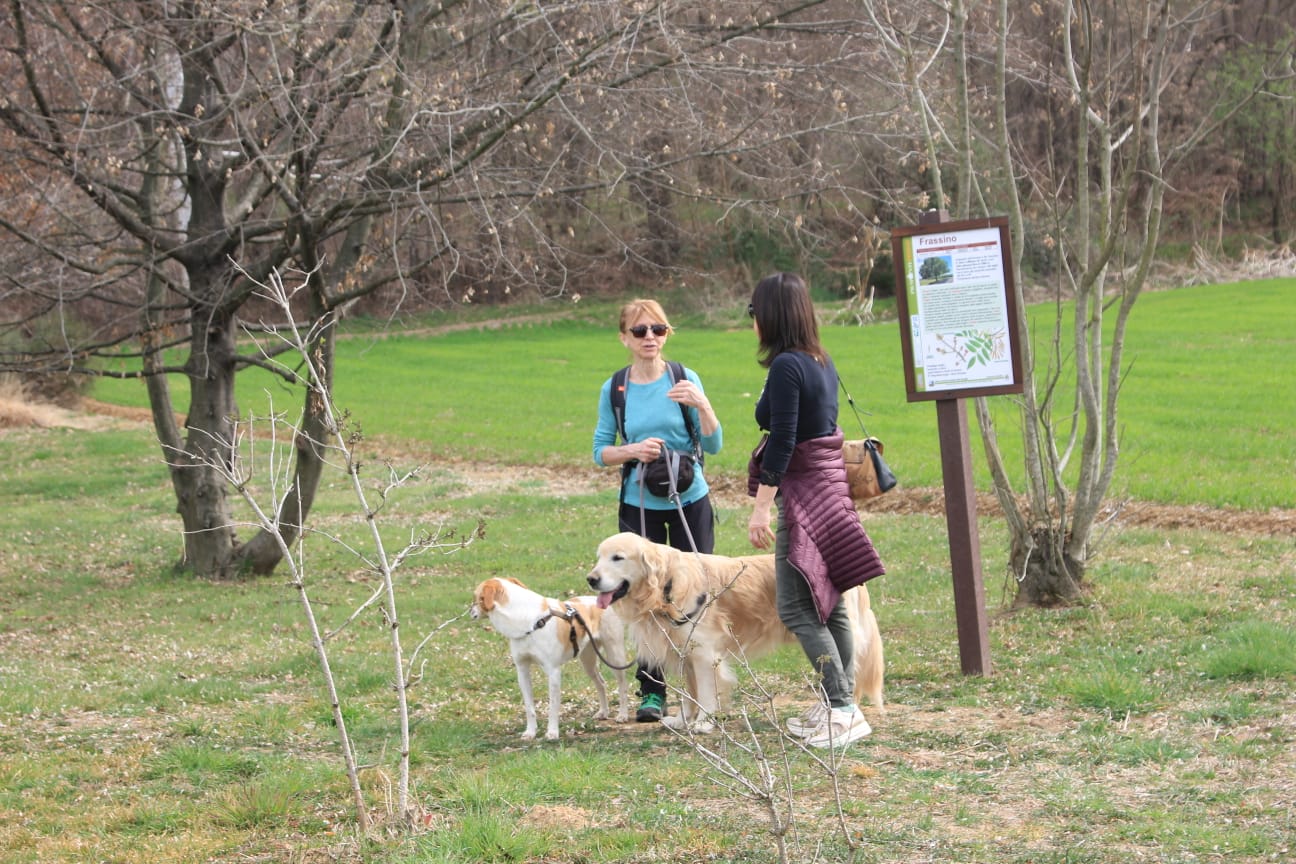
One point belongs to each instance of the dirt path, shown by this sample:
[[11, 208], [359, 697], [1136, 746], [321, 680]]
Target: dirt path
[[730, 491]]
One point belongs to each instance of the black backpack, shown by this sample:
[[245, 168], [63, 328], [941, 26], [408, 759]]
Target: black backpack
[[617, 396]]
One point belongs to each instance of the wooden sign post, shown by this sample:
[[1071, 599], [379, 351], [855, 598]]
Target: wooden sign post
[[958, 332]]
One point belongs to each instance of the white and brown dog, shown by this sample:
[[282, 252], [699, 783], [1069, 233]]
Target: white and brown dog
[[547, 633]]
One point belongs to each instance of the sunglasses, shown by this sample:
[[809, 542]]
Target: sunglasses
[[641, 330], [751, 311]]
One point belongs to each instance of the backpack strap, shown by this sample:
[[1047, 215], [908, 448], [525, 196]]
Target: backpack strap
[[677, 375], [617, 396]]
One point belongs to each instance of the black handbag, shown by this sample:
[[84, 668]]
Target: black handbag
[[867, 473], [886, 479], [670, 473]]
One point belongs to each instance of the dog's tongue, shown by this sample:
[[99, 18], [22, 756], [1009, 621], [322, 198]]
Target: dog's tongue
[[605, 600]]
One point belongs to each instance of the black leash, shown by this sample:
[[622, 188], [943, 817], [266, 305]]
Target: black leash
[[570, 614], [573, 613]]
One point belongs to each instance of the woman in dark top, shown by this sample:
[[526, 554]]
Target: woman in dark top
[[820, 547]]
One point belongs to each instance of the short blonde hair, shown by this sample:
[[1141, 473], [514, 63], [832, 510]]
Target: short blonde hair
[[638, 308]]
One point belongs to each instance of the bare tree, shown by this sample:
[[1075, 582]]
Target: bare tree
[[159, 158], [262, 475], [1088, 82], [171, 154]]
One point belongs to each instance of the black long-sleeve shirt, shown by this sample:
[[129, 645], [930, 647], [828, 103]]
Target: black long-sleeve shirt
[[799, 402]]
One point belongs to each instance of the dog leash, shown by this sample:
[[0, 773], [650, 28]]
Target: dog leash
[[573, 613], [672, 466]]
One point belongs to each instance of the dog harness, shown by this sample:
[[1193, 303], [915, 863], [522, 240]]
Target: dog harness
[[568, 614], [699, 605]]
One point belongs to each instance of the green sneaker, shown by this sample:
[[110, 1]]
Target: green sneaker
[[650, 709]]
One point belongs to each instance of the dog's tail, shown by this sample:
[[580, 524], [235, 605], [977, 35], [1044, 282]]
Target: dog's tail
[[869, 662]]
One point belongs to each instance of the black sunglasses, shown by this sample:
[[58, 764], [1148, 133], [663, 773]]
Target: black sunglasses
[[641, 330], [751, 311]]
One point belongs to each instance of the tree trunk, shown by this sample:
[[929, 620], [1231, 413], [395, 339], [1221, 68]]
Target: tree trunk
[[1046, 574], [210, 543], [264, 552]]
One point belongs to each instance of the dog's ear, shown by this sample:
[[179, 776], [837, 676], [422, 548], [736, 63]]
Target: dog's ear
[[656, 559], [491, 592], [516, 582], [659, 561]]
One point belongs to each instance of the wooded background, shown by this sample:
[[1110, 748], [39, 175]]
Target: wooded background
[[418, 154]]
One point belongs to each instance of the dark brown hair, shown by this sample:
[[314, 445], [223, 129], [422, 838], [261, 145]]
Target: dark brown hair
[[785, 316]]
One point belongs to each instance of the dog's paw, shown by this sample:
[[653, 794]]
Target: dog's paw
[[528, 735], [600, 715], [623, 717], [551, 735]]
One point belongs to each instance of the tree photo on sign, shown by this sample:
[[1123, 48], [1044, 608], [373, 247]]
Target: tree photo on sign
[[935, 269]]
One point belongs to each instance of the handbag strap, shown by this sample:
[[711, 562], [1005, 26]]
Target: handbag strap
[[852, 405]]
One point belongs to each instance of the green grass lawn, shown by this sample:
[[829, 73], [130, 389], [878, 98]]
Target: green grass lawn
[[146, 716], [1208, 407]]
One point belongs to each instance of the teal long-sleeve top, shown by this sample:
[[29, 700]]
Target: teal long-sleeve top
[[649, 413]]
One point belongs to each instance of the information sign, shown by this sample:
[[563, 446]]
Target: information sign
[[958, 313]]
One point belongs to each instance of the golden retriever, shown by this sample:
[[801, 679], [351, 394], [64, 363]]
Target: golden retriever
[[547, 633], [691, 613]]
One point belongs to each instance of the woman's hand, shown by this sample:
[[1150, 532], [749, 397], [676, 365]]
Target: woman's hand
[[685, 392], [649, 449], [759, 530], [688, 394]]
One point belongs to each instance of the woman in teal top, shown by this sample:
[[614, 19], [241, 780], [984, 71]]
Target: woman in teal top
[[653, 423]]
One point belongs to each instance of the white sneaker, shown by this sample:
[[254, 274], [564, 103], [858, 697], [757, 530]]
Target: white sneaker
[[842, 726], [808, 722]]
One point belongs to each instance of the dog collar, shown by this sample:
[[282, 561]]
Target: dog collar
[[688, 617]]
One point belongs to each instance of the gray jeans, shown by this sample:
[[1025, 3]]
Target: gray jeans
[[830, 647]]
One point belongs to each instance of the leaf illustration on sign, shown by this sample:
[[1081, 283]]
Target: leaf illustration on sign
[[976, 346]]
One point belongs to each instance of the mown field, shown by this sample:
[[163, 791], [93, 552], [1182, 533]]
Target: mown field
[[147, 716]]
